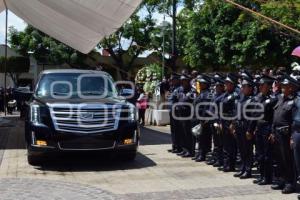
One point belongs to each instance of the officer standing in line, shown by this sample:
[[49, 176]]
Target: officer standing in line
[[261, 129], [217, 157], [227, 111], [244, 143], [172, 99], [276, 93], [281, 134], [295, 142], [204, 140], [184, 109]]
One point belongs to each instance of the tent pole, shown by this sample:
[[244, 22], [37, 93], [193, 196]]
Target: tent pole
[[5, 61]]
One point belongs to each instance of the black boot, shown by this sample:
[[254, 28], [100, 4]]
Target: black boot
[[257, 181], [228, 169], [187, 155], [217, 164], [288, 189], [246, 175], [211, 162], [200, 158], [181, 153], [197, 154], [279, 186], [238, 174], [265, 182]]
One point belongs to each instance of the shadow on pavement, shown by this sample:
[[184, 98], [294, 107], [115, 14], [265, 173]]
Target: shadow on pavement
[[94, 162], [154, 137]]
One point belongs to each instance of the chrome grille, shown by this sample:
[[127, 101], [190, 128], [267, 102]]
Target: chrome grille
[[85, 119]]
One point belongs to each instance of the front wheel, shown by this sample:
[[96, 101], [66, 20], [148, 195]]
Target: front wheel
[[129, 156], [32, 159]]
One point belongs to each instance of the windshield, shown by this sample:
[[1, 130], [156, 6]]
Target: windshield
[[75, 85]]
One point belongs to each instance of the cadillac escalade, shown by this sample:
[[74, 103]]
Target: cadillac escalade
[[79, 111]]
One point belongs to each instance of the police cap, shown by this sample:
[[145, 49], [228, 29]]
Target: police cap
[[204, 79], [231, 77], [248, 81], [184, 77], [287, 79], [265, 79]]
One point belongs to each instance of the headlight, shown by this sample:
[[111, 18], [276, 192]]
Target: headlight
[[35, 114], [133, 115]]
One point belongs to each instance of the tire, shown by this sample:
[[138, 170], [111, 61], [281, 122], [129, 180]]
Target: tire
[[129, 157], [33, 160]]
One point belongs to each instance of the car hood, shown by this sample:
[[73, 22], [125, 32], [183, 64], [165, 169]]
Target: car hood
[[49, 101]]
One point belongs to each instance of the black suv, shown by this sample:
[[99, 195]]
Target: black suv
[[79, 110]]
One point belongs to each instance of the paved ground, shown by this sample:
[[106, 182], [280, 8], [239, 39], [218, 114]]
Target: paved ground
[[155, 174]]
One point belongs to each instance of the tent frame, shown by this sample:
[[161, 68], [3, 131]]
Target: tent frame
[[5, 60]]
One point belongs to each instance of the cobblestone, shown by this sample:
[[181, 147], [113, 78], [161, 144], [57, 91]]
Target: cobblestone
[[36, 189], [154, 175]]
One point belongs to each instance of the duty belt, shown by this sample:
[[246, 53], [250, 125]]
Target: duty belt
[[285, 130]]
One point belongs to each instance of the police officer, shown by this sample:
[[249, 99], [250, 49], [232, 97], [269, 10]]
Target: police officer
[[244, 143], [295, 142], [227, 111], [172, 99], [281, 134], [260, 128], [202, 105], [183, 110], [217, 157]]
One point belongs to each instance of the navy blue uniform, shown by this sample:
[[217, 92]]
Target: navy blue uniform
[[183, 110], [244, 145], [283, 118], [202, 103], [296, 137], [172, 99], [228, 101], [217, 136], [262, 129]]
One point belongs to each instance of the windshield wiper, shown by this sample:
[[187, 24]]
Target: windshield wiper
[[60, 94]]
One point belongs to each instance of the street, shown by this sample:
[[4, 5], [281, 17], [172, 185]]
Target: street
[[156, 174]]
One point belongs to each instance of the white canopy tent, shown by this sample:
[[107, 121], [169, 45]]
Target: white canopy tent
[[80, 24]]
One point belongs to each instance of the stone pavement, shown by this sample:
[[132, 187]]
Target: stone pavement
[[155, 174]]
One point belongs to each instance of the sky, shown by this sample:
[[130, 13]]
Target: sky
[[13, 20]]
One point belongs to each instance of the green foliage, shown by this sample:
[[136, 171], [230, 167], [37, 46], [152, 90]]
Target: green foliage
[[45, 49], [220, 35]]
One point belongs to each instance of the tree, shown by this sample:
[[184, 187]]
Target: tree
[[220, 35], [45, 49], [139, 33]]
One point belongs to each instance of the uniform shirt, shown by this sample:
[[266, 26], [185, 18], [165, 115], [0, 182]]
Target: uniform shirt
[[228, 101], [204, 97], [186, 98], [268, 102], [296, 118], [241, 104], [284, 111], [173, 96], [216, 100]]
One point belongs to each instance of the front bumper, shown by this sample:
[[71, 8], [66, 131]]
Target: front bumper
[[68, 142]]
